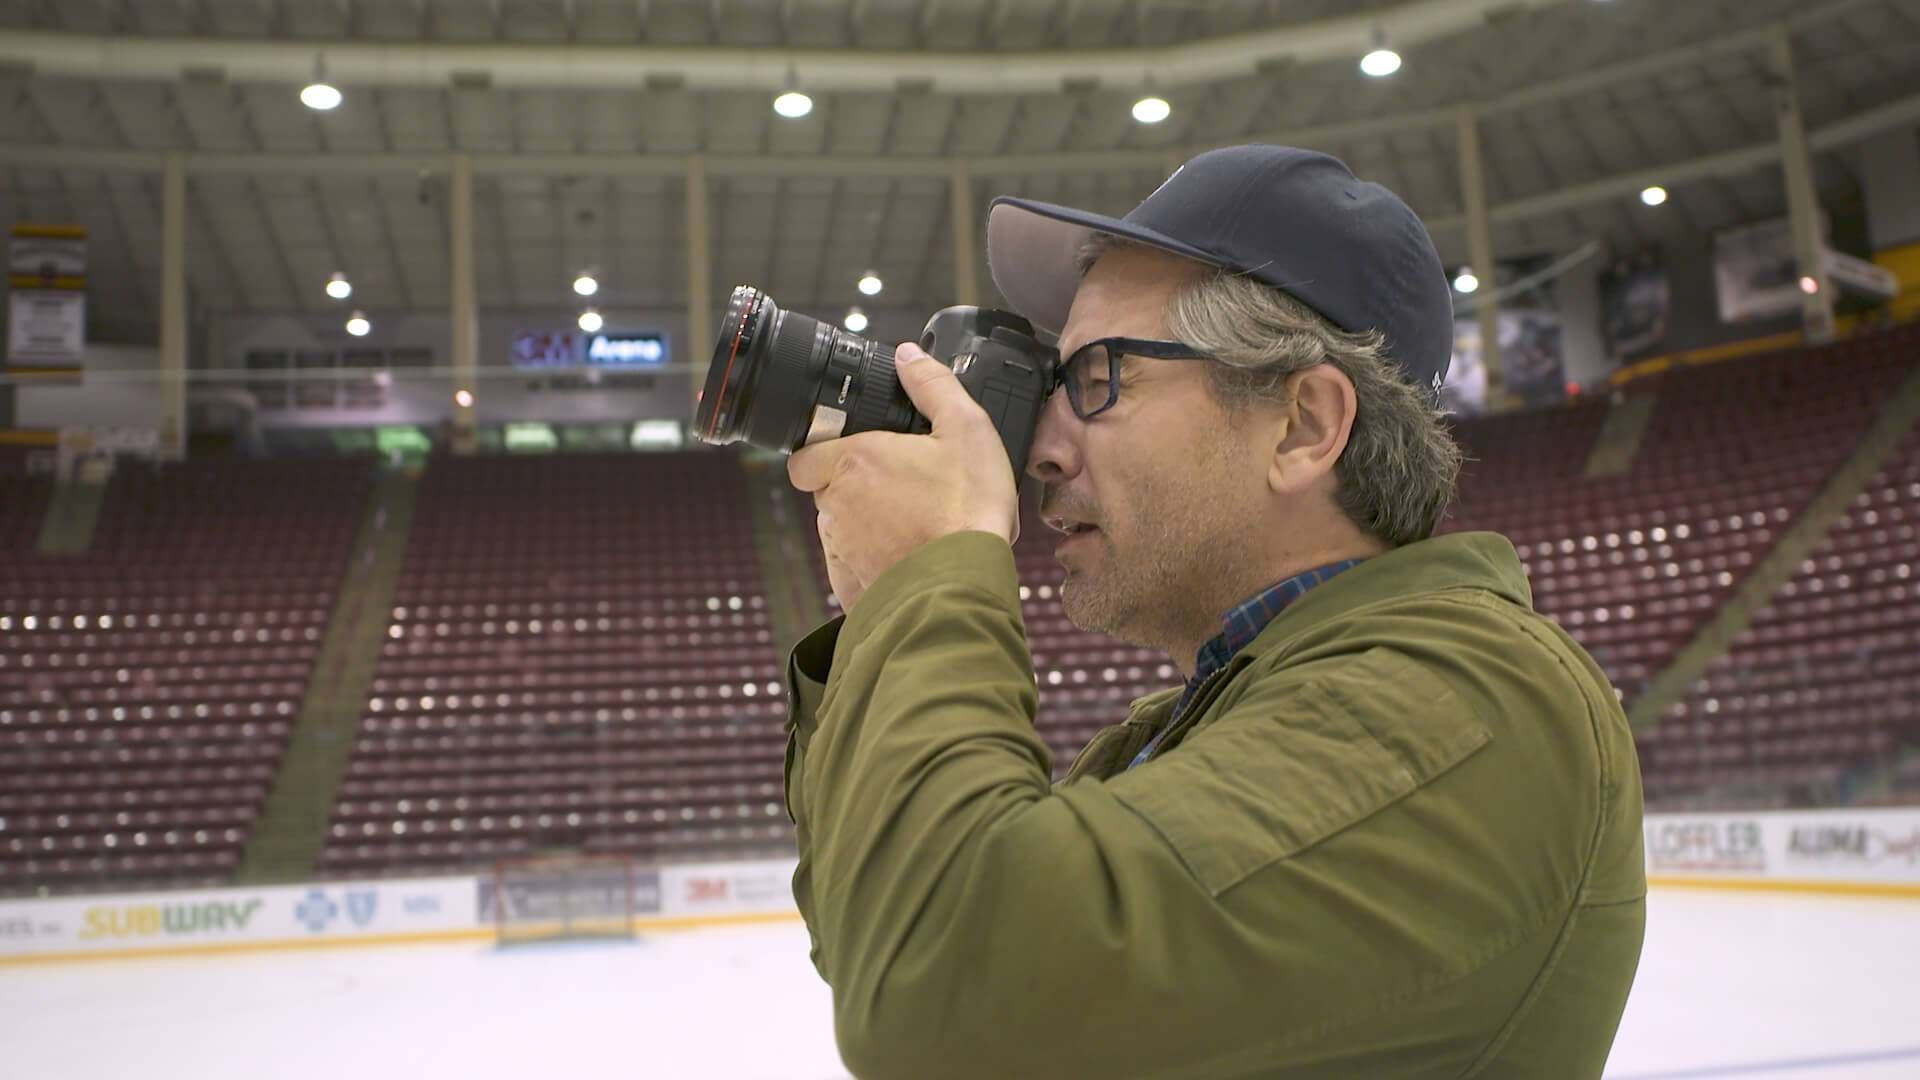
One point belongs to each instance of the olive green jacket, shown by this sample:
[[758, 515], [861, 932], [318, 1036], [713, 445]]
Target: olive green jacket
[[1398, 836]]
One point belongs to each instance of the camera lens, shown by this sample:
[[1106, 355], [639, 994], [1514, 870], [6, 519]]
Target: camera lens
[[780, 380]]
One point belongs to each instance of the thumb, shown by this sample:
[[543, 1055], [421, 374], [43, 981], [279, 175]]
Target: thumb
[[933, 387]]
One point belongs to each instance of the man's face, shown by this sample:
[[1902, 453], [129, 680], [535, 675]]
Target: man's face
[[1171, 490]]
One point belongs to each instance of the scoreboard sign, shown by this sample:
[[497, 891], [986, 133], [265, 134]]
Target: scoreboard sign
[[541, 349], [545, 349], [627, 350]]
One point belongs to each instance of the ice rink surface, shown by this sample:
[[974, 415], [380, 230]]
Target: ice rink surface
[[1731, 984]]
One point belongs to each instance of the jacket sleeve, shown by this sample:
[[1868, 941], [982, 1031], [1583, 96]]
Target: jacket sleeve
[[973, 921], [807, 670]]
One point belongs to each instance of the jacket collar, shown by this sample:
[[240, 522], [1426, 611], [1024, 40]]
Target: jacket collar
[[1471, 560]]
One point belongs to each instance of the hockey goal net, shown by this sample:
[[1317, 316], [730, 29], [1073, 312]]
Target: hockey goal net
[[561, 897]]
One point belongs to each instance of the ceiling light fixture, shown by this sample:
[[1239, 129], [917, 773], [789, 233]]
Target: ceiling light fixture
[[339, 287], [793, 104], [586, 284], [870, 284], [856, 320], [590, 321], [1654, 195], [1465, 281], [320, 96], [1151, 110], [1382, 61], [357, 324]]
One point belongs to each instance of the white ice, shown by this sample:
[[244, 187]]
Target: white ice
[[1731, 985], [1740, 984]]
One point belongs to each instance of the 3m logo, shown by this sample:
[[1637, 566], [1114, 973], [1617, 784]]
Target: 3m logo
[[706, 890]]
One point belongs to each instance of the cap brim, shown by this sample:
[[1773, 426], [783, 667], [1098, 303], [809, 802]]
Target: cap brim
[[1033, 248]]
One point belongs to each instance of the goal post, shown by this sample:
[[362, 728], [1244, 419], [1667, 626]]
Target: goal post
[[563, 897]]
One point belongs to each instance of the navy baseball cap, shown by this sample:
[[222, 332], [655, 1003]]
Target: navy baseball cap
[[1295, 219]]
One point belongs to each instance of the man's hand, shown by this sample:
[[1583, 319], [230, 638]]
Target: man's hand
[[881, 495]]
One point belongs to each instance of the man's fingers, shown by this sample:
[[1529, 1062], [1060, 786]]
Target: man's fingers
[[812, 467], [933, 387]]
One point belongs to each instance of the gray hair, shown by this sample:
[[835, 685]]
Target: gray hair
[[1397, 473]]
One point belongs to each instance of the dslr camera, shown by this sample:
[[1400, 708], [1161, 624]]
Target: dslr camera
[[780, 380]]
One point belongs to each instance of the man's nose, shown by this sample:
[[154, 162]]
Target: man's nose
[[1055, 457]]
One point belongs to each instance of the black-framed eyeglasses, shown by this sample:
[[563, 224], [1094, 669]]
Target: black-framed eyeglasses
[[1092, 374]]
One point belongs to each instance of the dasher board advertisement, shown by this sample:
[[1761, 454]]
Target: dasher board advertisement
[[213, 919], [1867, 847]]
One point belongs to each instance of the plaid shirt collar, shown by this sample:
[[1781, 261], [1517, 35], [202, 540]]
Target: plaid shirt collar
[[1244, 623], [1238, 629]]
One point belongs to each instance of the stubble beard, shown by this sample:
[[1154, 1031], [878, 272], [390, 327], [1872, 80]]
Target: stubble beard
[[1165, 574], [1157, 581]]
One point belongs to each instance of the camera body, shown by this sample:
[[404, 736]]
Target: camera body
[[1003, 366], [780, 380]]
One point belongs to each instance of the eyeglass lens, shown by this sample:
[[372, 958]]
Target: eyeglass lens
[[1092, 384]]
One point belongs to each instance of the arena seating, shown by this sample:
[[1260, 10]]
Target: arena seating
[[1632, 565], [147, 688], [1826, 678], [1904, 784], [579, 657]]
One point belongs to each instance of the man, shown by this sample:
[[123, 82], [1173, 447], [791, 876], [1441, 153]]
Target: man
[[1390, 827]]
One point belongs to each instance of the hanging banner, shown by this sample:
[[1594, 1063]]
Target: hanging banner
[[1532, 356], [48, 257], [1635, 302], [47, 309], [46, 329], [1530, 352], [1756, 276]]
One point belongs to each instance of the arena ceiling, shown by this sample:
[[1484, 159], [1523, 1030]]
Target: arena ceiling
[[581, 115]]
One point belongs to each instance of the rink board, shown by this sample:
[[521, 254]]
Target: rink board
[[1854, 852], [357, 913]]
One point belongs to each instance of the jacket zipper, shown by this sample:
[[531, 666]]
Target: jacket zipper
[[1106, 735], [1197, 705]]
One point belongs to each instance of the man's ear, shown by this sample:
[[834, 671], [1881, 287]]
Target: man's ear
[[1320, 411]]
